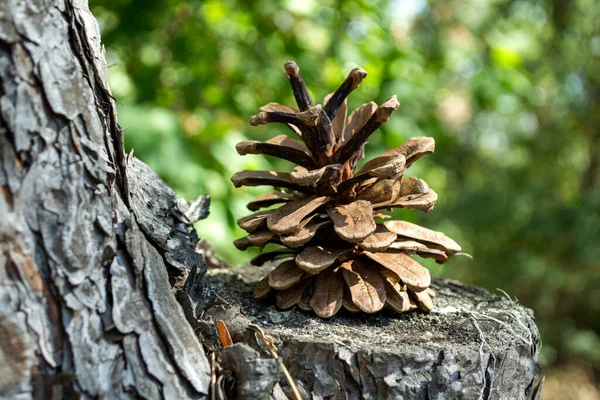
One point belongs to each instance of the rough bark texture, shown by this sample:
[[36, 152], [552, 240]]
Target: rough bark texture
[[89, 240], [473, 345], [100, 284]]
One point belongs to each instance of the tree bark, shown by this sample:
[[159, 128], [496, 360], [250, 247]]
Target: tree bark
[[90, 239]]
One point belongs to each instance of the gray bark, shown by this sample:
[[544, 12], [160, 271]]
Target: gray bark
[[90, 241]]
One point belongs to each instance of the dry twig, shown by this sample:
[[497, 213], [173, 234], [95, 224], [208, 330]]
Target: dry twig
[[269, 342]]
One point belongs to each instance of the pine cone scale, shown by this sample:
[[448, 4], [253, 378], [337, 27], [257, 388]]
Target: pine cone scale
[[328, 293], [288, 217], [414, 275], [366, 286], [353, 222]]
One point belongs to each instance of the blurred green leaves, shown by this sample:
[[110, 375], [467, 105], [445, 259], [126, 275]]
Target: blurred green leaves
[[510, 90]]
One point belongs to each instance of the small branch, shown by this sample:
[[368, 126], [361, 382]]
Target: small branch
[[213, 377], [269, 342]]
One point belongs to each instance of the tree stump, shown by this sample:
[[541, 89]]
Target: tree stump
[[473, 345]]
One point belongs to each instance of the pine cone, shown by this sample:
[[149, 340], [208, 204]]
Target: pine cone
[[334, 252]]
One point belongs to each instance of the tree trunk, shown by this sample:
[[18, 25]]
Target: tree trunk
[[100, 282], [90, 239]]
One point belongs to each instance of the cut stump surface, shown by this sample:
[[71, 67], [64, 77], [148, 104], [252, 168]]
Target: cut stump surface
[[473, 345]]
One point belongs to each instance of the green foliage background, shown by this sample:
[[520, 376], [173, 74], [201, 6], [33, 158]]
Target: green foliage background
[[510, 91]]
